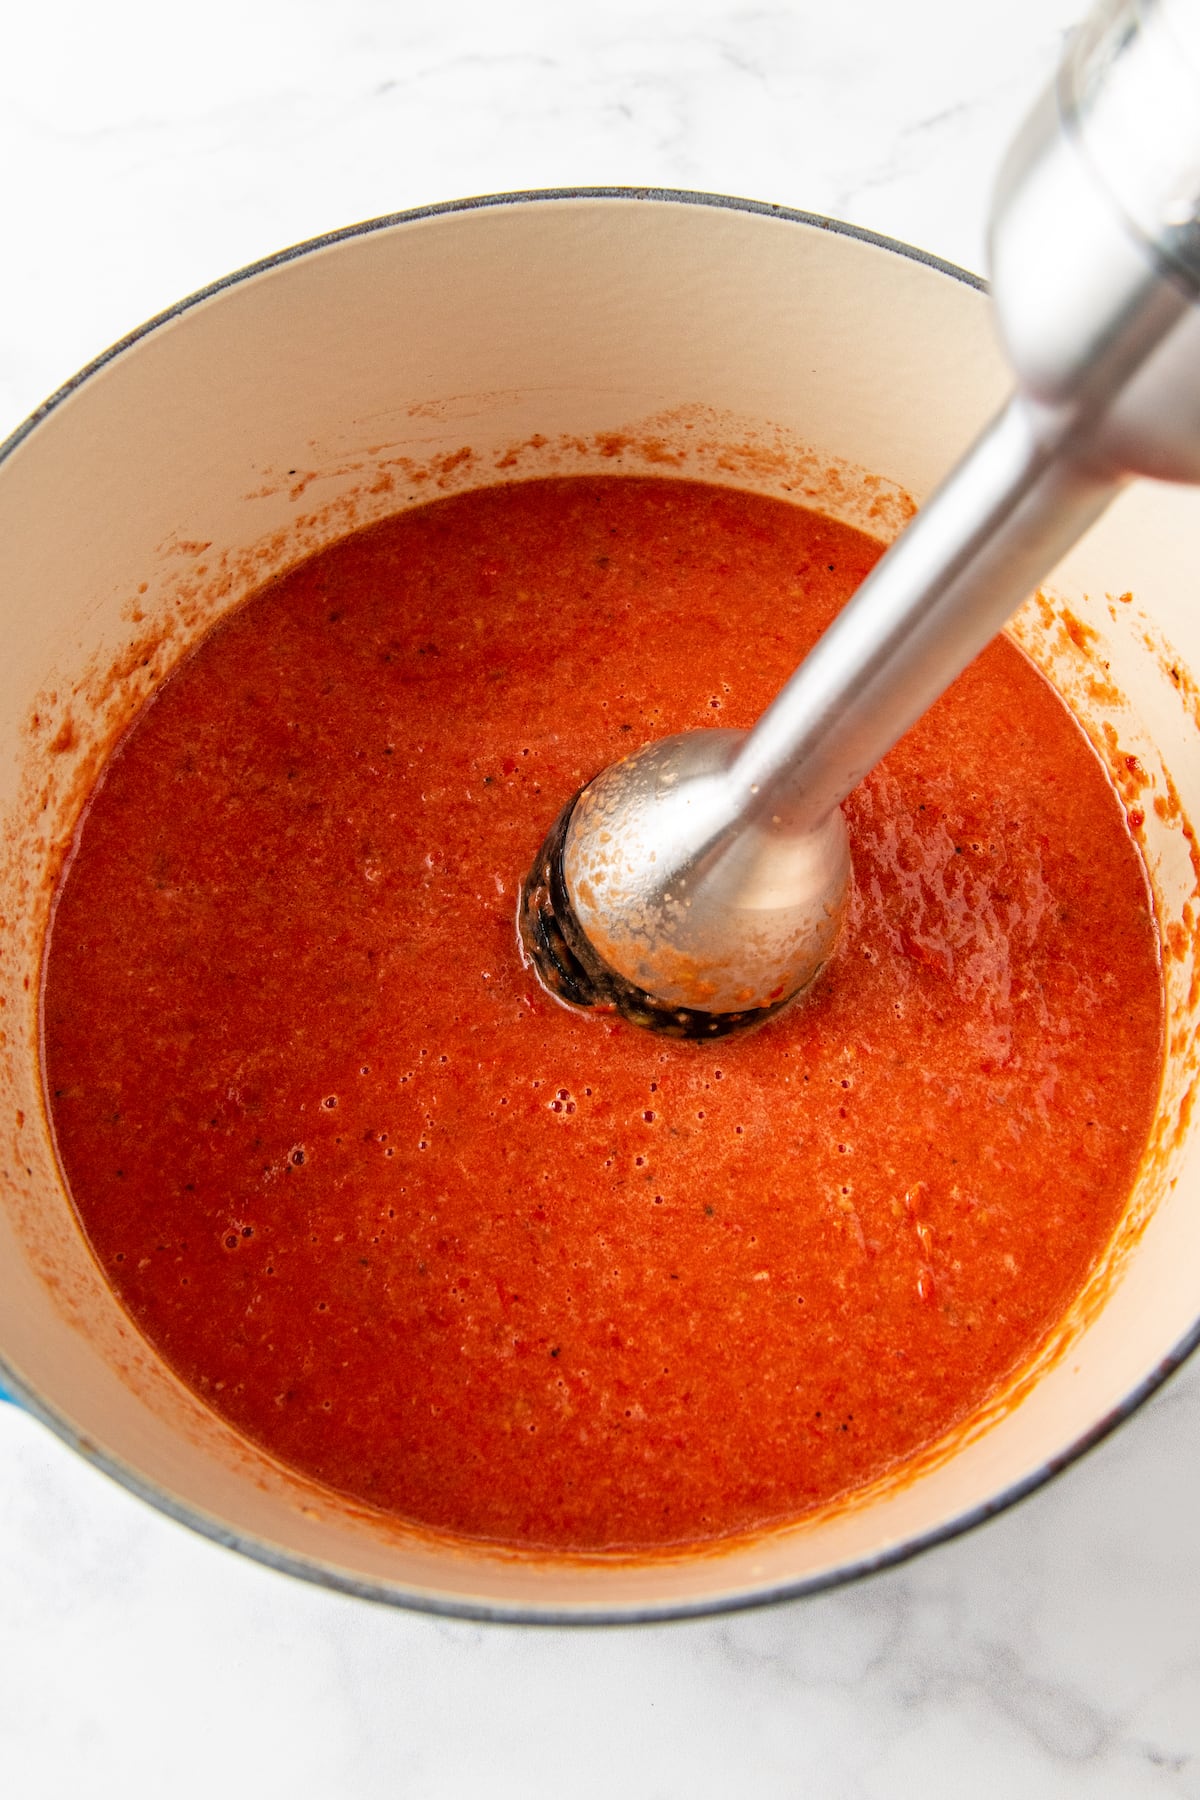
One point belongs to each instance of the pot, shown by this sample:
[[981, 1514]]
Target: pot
[[507, 338]]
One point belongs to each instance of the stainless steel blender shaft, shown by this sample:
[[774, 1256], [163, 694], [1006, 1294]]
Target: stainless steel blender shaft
[[1004, 516]]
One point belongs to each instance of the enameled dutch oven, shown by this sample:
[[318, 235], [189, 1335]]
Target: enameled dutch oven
[[502, 339]]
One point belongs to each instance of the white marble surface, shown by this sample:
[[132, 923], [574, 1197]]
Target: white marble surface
[[148, 149]]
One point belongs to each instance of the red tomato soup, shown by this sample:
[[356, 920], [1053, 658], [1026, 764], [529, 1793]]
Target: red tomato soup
[[537, 1276]]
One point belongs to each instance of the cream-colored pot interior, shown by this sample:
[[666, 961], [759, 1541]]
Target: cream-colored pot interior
[[503, 341]]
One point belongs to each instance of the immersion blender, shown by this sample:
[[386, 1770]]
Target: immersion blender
[[700, 883]]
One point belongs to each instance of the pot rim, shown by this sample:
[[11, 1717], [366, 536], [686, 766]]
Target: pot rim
[[324, 1575]]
